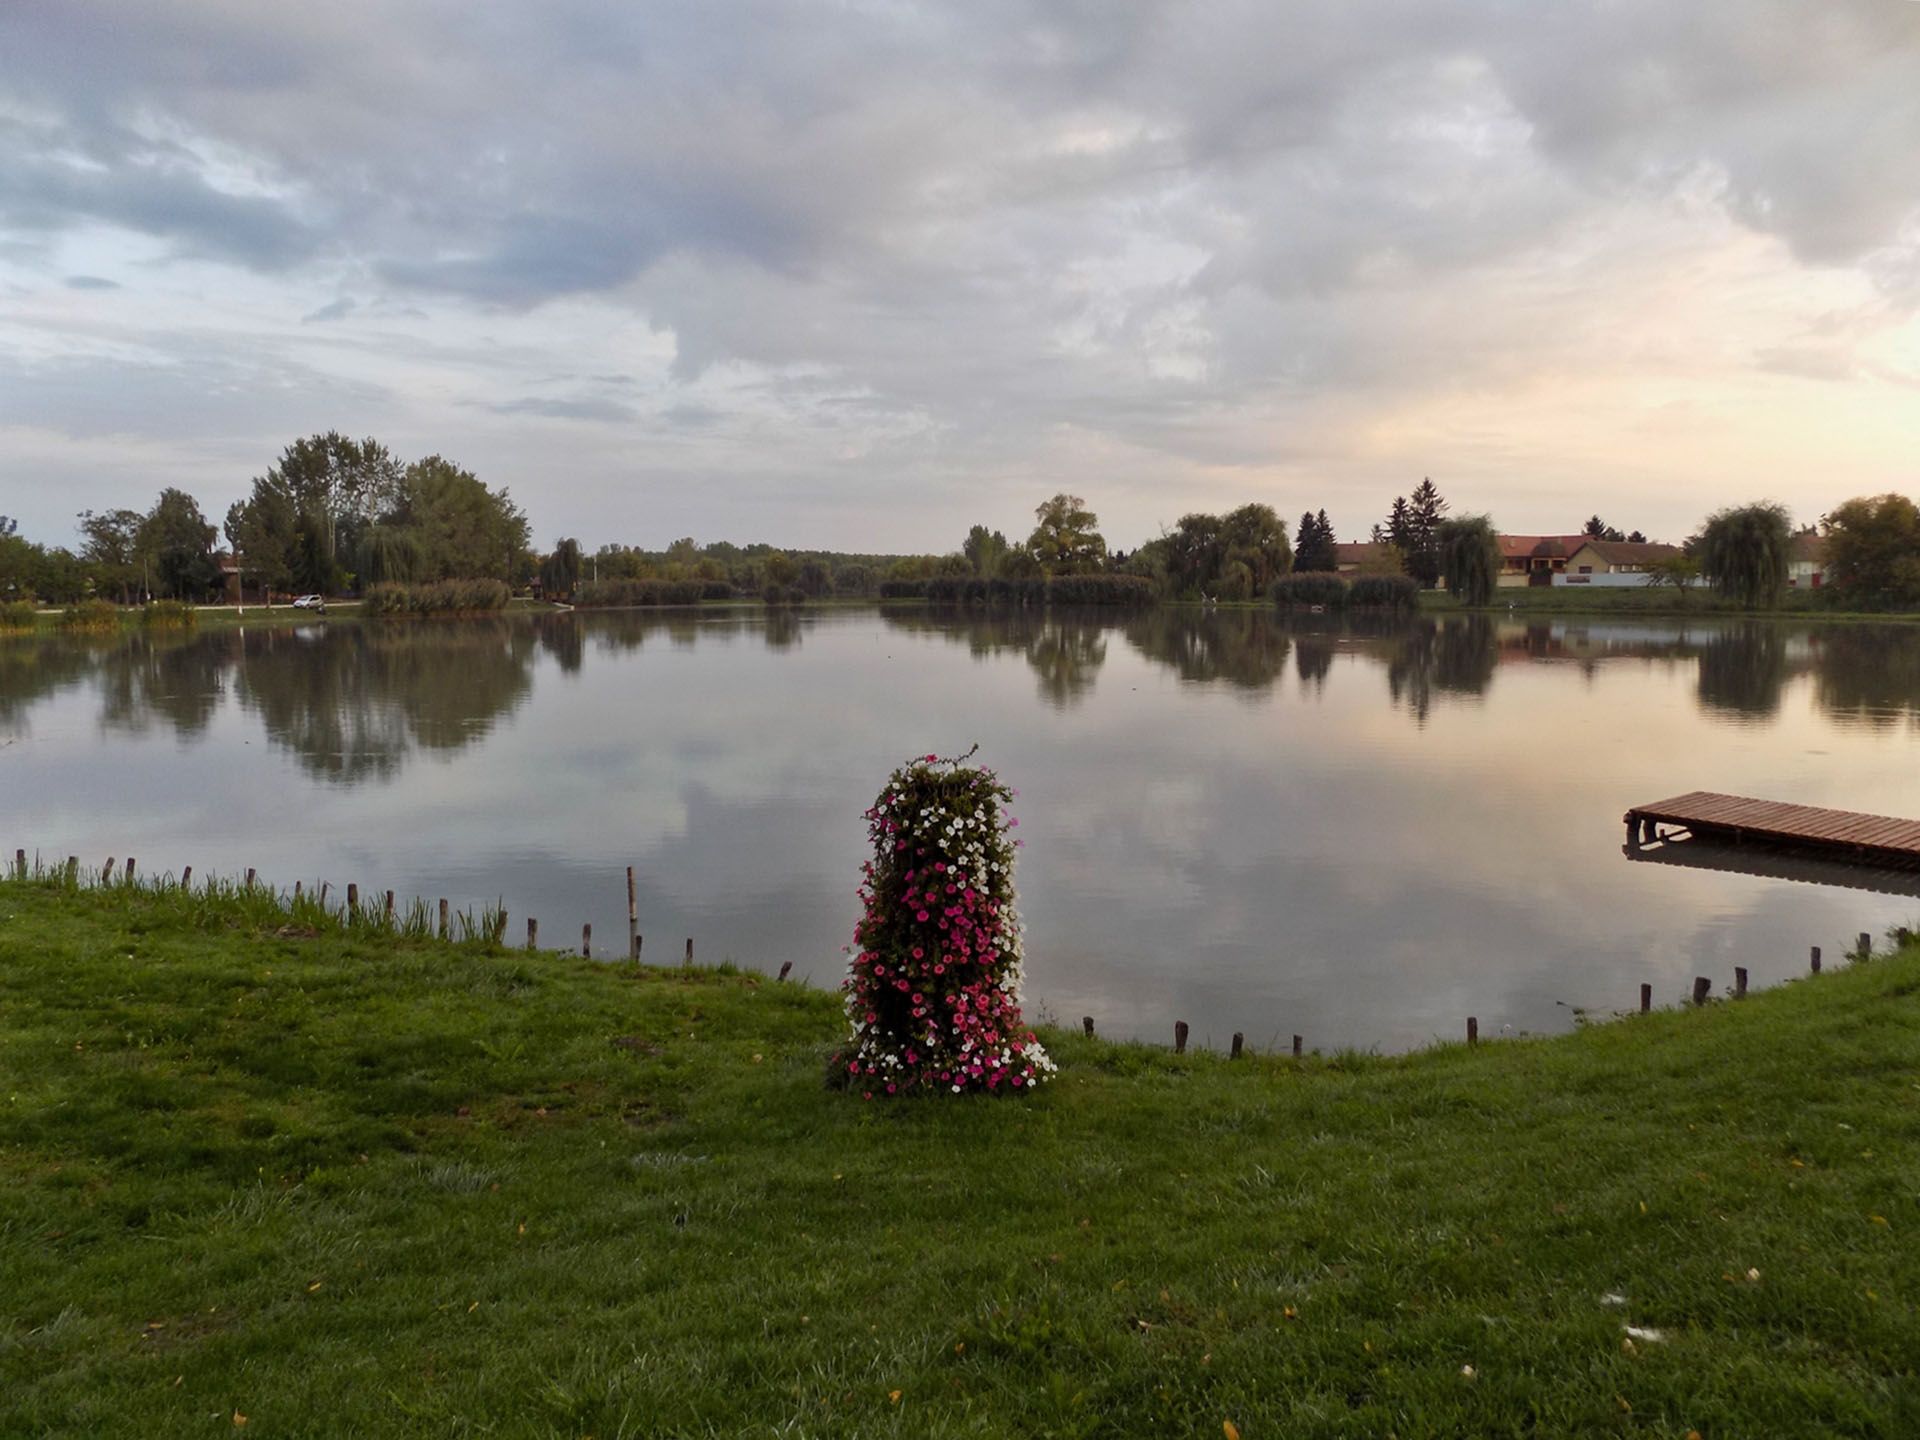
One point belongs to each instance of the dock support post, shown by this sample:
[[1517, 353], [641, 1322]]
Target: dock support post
[[533, 933]]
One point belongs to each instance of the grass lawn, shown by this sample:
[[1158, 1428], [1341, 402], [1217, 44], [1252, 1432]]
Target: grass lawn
[[256, 1163]]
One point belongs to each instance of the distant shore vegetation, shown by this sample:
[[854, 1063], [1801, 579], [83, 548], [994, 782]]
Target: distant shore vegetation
[[339, 517]]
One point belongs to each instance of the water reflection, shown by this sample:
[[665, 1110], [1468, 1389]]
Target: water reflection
[[1357, 827], [1743, 669], [353, 702], [1869, 675]]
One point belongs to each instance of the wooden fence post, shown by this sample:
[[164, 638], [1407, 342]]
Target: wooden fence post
[[1866, 945], [1814, 961], [186, 878], [1238, 1041], [689, 950], [785, 966], [130, 875], [250, 875], [106, 872], [633, 922], [20, 862], [1086, 1024], [445, 924], [353, 898], [1296, 1047], [1646, 997], [389, 913], [1739, 982], [1473, 1030], [1701, 984], [533, 933], [1179, 1037], [586, 942]]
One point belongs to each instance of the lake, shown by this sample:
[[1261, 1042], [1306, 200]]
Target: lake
[[1361, 833]]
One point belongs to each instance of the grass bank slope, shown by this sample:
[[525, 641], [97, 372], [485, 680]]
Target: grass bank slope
[[259, 1164]]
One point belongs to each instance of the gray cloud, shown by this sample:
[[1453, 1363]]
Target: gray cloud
[[1172, 242], [332, 310], [91, 282], [562, 409]]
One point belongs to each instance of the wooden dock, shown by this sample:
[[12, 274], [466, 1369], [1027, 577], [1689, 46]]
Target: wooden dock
[[1834, 834]]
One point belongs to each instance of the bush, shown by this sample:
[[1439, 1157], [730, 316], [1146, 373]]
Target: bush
[[169, 615], [716, 590], [623, 594], [784, 595], [1316, 587], [90, 616], [1384, 592], [932, 997], [903, 589], [441, 597], [18, 615], [1100, 590]]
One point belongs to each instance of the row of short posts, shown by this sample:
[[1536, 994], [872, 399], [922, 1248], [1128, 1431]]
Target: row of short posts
[[1702, 988]]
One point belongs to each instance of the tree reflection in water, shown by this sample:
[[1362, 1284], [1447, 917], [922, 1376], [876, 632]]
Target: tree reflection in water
[[1869, 675], [353, 702], [1743, 668]]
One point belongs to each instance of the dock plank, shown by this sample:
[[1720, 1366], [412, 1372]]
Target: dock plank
[[1845, 832]]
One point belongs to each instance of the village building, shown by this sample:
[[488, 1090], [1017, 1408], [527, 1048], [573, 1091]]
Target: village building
[[1807, 561], [1535, 559], [1613, 563]]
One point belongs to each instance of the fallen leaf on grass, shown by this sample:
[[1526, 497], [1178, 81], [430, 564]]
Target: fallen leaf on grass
[[1230, 1430]]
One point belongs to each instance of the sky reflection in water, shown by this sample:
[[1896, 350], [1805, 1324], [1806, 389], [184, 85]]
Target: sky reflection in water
[[1362, 833]]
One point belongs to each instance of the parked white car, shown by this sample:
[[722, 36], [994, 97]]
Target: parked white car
[[310, 602]]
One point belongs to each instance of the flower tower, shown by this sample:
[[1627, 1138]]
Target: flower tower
[[933, 994]]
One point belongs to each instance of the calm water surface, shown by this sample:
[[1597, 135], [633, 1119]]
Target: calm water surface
[[1360, 834]]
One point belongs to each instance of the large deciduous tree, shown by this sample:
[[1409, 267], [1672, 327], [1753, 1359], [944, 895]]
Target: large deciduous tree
[[985, 550], [1873, 550], [176, 542], [110, 549], [1066, 541], [1743, 552], [464, 529], [1469, 557]]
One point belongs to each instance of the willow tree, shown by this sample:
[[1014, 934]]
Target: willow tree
[[1469, 557], [1743, 552]]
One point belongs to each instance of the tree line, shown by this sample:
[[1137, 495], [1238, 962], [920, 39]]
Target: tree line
[[335, 515]]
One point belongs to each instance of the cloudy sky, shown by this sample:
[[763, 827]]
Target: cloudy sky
[[859, 274]]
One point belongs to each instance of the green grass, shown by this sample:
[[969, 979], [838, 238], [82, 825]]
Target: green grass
[[340, 1181]]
